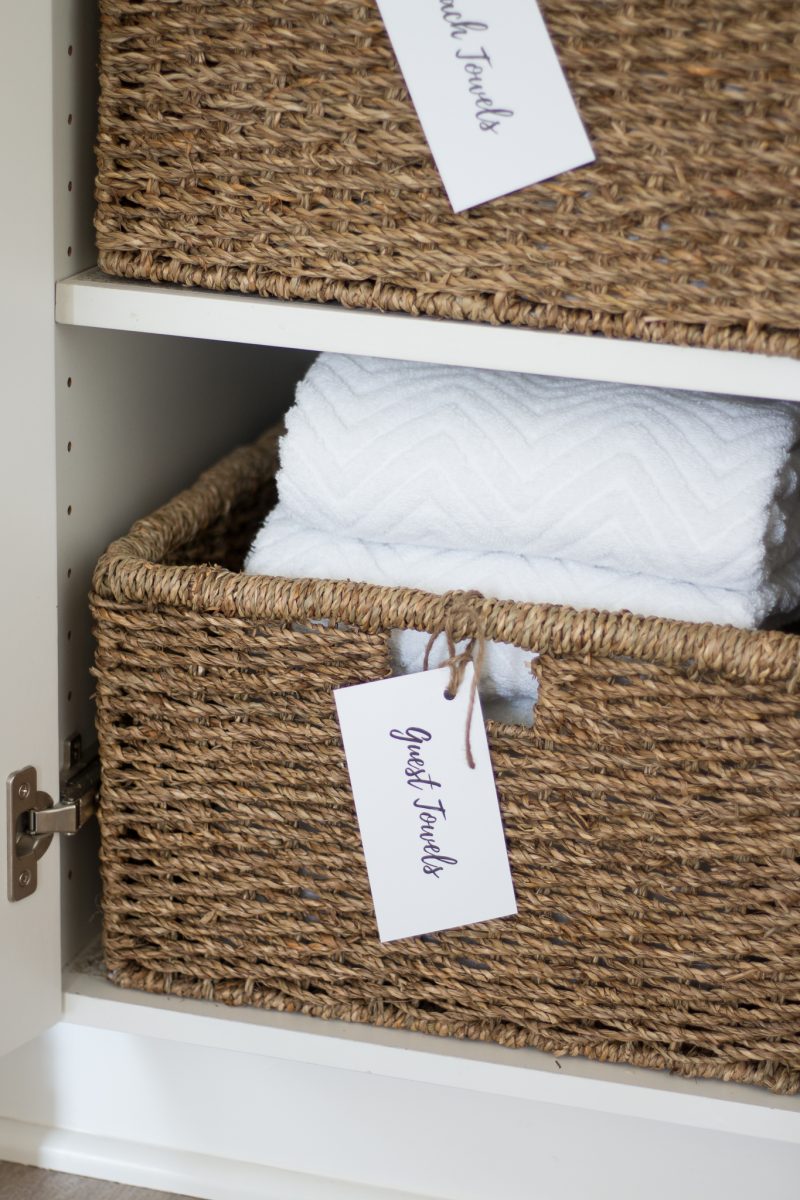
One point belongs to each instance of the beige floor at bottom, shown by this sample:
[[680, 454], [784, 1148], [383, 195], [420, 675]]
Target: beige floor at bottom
[[29, 1183]]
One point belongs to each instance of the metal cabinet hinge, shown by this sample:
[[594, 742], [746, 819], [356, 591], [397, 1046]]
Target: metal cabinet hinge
[[33, 818]]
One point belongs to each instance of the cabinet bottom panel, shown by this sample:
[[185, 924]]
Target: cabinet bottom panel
[[224, 1124]]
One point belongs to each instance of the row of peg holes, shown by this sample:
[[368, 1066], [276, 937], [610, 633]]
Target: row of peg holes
[[69, 385], [69, 185], [69, 451]]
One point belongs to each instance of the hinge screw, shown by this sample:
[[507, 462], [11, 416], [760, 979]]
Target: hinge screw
[[24, 790], [24, 878]]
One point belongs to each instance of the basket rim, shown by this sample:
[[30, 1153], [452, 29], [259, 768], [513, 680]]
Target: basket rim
[[130, 572], [700, 332]]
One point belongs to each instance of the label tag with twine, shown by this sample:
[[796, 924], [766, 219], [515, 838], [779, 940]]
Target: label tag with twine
[[426, 803], [489, 92]]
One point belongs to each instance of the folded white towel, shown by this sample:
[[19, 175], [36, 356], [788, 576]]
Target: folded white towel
[[506, 672], [285, 546], [508, 686], [638, 480]]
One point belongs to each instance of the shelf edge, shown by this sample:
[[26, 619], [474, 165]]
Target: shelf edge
[[92, 300]]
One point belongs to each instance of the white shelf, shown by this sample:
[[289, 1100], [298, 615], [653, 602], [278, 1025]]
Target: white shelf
[[523, 1075], [94, 300]]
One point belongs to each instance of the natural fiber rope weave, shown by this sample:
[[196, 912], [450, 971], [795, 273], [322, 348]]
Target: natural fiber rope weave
[[652, 814], [272, 147]]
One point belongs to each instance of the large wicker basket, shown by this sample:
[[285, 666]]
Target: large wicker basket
[[652, 814], [272, 147]]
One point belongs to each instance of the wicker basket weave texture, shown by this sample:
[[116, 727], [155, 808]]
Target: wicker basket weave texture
[[272, 147], [652, 814]]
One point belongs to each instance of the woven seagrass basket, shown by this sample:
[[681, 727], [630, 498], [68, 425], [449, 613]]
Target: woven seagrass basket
[[272, 147], [652, 813]]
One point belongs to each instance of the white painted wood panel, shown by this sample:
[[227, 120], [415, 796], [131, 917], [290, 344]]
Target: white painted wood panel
[[366, 1130], [93, 299], [203, 1175], [29, 929], [482, 1067]]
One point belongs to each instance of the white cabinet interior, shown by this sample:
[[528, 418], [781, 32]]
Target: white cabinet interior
[[139, 388], [137, 418]]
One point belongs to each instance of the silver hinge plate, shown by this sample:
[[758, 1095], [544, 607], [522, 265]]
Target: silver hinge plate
[[33, 818]]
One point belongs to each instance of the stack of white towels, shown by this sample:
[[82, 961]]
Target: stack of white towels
[[538, 489]]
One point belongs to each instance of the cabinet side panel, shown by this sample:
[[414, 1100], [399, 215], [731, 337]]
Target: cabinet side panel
[[29, 937], [138, 417]]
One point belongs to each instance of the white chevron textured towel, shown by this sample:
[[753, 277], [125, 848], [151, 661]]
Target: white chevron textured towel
[[285, 546], [635, 480]]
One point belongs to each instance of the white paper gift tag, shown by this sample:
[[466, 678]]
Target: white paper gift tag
[[430, 825], [489, 92]]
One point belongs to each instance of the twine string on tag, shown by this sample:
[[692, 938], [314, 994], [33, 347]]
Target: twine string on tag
[[474, 652]]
